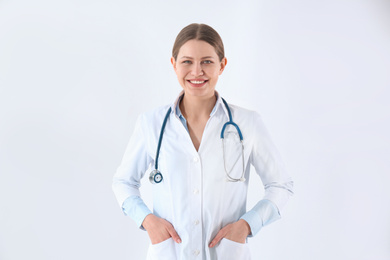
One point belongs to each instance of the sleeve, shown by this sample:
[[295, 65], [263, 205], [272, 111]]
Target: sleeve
[[127, 178], [135, 208], [277, 183]]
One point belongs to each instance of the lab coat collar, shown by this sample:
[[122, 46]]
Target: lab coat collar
[[219, 104]]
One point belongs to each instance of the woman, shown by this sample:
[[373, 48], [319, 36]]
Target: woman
[[200, 182]]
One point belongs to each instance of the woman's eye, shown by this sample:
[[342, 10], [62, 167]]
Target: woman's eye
[[187, 61], [207, 61]]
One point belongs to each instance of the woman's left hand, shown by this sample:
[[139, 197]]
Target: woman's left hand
[[237, 232]]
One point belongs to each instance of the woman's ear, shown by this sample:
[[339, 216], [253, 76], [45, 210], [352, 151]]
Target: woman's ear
[[223, 65], [173, 61]]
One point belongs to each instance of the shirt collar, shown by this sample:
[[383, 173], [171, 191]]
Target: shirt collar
[[218, 105]]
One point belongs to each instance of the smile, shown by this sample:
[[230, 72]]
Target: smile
[[197, 81]]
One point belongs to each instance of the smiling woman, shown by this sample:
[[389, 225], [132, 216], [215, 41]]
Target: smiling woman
[[198, 68], [199, 204]]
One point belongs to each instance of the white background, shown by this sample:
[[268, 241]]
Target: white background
[[74, 75]]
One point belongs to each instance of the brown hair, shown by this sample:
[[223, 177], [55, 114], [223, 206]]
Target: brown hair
[[202, 32]]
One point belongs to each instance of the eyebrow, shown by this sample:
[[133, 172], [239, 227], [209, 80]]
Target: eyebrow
[[188, 57]]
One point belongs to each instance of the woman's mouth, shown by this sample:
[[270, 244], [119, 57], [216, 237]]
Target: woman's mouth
[[197, 83]]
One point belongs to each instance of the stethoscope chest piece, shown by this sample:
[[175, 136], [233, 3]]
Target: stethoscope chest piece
[[155, 177]]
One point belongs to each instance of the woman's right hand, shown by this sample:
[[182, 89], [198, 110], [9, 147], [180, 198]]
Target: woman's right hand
[[159, 229]]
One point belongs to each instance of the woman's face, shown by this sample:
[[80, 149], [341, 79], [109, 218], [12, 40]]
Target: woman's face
[[197, 68]]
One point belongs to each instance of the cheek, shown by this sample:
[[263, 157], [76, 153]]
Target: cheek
[[213, 71], [181, 73], [214, 74]]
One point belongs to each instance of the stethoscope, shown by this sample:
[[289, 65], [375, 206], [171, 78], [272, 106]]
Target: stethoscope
[[156, 176]]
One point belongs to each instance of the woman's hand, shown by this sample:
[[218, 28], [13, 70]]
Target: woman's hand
[[237, 232], [159, 229]]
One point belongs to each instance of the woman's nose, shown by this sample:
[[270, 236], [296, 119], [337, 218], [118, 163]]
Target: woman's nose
[[197, 70]]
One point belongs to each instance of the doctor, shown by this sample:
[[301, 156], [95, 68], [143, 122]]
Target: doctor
[[199, 199]]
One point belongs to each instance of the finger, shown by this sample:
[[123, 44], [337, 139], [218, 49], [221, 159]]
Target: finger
[[174, 234], [217, 238]]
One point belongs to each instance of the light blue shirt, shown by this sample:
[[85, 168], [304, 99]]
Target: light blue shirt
[[262, 214]]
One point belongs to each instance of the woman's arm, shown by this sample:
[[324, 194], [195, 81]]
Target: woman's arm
[[271, 169], [126, 181], [126, 184], [277, 183]]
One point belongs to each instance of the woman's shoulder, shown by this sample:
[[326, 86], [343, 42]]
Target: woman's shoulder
[[157, 111], [155, 115], [243, 112]]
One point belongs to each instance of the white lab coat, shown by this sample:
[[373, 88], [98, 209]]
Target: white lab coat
[[194, 195]]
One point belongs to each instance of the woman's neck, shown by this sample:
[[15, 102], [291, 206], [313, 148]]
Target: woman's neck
[[193, 107]]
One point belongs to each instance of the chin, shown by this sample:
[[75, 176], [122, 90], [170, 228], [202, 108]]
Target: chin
[[199, 93]]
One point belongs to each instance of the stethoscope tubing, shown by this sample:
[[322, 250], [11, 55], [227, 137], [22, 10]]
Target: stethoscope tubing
[[230, 122], [161, 137]]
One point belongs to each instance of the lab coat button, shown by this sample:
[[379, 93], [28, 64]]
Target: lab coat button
[[196, 222], [196, 159], [196, 191], [196, 252]]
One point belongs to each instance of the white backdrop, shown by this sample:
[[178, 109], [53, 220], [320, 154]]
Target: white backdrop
[[74, 75]]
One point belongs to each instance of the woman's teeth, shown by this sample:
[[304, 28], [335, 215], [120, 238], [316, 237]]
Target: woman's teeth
[[197, 82]]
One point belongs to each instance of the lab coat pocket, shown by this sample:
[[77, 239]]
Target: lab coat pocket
[[230, 250], [162, 251]]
